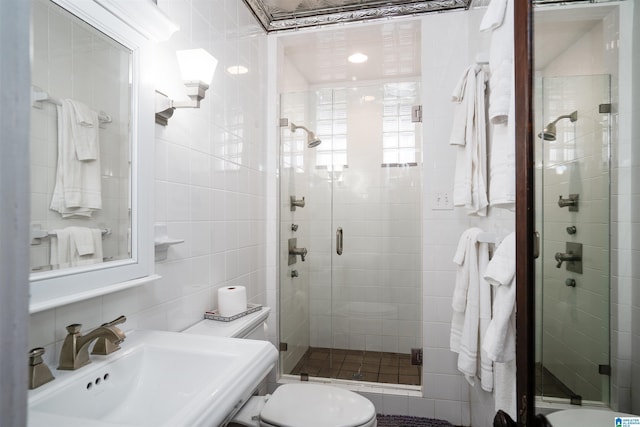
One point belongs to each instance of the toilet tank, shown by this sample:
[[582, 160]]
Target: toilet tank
[[251, 327]]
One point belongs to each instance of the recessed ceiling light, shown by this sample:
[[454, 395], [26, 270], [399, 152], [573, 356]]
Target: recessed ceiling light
[[358, 58], [368, 98], [237, 69]]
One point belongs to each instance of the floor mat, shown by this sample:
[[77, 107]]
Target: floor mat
[[403, 421]]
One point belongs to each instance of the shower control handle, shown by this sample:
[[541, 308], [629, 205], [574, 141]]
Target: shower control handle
[[339, 237], [296, 203], [571, 202], [295, 251]]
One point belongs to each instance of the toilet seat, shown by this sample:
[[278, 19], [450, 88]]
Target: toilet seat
[[316, 405]]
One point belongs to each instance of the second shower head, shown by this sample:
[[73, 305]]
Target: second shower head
[[312, 139], [549, 131]]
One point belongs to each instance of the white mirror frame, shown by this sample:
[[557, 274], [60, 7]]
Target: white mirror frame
[[136, 25]]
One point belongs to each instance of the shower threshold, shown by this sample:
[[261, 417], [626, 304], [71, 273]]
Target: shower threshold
[[359, 366]]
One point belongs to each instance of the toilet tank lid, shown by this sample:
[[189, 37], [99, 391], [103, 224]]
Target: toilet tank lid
[[235, 329], [316, 405]]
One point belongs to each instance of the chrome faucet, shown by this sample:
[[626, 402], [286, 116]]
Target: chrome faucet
[[561, 257], [75, 349]]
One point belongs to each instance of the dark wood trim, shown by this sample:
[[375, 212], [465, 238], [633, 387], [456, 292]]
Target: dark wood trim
[[525, 225]]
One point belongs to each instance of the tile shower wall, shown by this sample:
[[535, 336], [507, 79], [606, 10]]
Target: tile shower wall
[[576, 319], [617, 59], [210, 185]]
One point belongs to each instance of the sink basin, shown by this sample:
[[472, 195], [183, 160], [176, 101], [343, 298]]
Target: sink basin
[[156, 379]]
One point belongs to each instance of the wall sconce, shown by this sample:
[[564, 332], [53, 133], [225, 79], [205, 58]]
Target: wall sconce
[[196, 67]]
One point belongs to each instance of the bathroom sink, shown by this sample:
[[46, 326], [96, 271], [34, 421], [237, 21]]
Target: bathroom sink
[[156, 379]]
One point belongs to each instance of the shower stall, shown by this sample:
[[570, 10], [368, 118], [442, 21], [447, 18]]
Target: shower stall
[[573, 118], [350, 279]]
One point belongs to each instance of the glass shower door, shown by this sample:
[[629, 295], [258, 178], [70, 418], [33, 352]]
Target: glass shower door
[[363, 218], [573, 153]]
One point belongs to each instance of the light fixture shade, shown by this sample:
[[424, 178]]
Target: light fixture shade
[[196, 65]]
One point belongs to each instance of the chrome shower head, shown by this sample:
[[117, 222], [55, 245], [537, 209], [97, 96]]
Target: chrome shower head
[[549, 131], [312, 139]]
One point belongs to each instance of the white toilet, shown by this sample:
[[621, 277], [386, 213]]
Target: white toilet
[[296, 404]]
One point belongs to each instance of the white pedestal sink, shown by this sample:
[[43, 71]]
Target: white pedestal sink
[[156, 379]]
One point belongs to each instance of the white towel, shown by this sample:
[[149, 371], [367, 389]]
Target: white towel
[[502, 176], [505, 388], [500, 338], [499, 20], [68, 243], [83, 240], [77, 190], [469, 136], [85, 132], [470, 316]]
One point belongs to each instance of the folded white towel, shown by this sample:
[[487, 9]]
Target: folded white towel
[[65, 250], [77, 190], [85, 127], [83, 239], [463, 95], [499, 342]]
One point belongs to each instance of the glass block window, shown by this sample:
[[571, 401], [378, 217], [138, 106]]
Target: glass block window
[[398, 131], [331, 122]]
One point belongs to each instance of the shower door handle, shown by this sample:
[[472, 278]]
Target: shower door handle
[[339, 237]]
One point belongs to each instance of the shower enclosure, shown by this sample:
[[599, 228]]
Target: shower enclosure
[[351, 310], [573, 115]]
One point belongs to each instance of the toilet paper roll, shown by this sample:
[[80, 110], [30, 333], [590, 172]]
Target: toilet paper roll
[[232, 300]]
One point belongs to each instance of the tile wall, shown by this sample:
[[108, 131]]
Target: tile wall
[[210, 186]]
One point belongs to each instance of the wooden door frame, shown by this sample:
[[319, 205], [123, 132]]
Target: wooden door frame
[[525, 213]]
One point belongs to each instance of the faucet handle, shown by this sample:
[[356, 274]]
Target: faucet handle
[[74, 328], [117, 321], [39, 372], [105, 347]]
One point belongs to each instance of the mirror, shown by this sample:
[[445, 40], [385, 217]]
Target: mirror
[[80, 143], [91, 131]]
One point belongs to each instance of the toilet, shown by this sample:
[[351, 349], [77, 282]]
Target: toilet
[[294, 404]]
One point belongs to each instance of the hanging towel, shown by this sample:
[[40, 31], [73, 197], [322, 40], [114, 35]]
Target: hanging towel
[[469, 136], [471, 309], [69, 247], [499, 20], [77, 189], [85, 132], [502, 176], [500, 338], [83, 239]]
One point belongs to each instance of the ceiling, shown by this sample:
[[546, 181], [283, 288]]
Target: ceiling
[[275, 15], [392, 48]]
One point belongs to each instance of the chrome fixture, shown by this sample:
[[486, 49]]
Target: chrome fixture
[[572, 257], [572, 229], [571, 202], [75, 349], [39, 372], [294, 251], [294, 227], [339, 240], [312, 139], [197, 67], [296, 203], [549, 131], [570, 282], [294, 273]]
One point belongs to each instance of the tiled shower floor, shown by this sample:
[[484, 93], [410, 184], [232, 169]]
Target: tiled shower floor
[[358, 365]]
